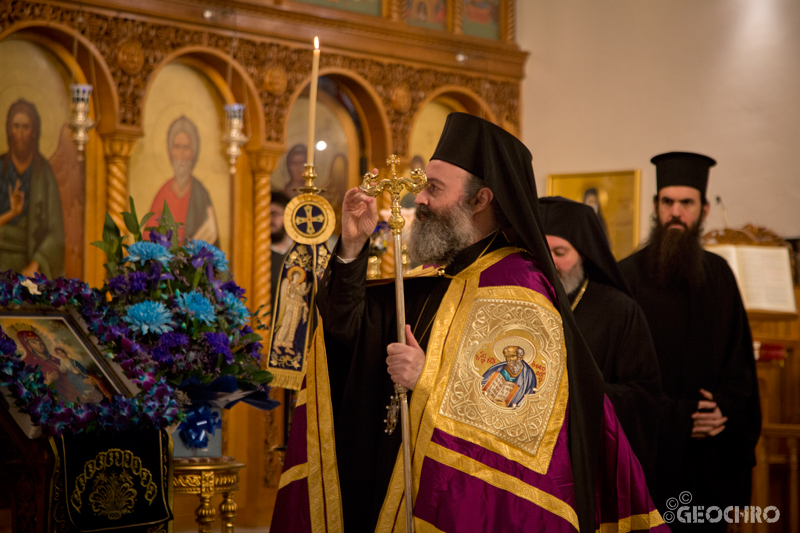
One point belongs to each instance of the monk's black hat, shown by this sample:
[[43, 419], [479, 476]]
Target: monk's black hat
[[579, 225], [504, 164], [683, 169]]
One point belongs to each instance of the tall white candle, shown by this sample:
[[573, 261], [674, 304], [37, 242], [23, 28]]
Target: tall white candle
[[312, 102]]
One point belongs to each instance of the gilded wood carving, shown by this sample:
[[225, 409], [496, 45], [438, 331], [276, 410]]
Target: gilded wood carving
[[134, 49], [128, 50]]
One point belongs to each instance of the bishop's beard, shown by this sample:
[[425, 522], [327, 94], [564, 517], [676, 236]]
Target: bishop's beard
[[436, 238], [674, 256]]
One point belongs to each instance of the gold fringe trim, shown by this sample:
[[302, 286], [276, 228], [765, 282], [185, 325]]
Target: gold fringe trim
[[287, 379]]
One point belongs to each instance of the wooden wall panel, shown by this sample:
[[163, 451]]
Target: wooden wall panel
[[391, 70]]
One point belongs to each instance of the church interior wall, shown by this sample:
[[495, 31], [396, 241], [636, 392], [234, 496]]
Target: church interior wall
[[610, 84], [151, 61]]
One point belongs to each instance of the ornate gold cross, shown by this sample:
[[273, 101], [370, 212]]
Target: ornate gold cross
[[395, 185], [372, 186]]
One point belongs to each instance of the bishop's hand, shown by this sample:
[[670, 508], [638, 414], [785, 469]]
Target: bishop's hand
[[405, 361], [359, 218], [708, 420]]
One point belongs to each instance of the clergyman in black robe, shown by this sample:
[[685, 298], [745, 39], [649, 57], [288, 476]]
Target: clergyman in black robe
[[611, 322], [480, 181], [711, 417], [366, 455]]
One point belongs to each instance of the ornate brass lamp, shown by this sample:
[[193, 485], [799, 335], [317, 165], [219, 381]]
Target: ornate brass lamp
[[80, 122], [234, 137]]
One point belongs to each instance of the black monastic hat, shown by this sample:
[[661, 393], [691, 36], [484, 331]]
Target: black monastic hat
[[682, 168], [578, 224], [504, 164]]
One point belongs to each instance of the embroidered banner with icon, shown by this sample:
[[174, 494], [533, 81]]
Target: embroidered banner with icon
[[293, 317], [309, 220]]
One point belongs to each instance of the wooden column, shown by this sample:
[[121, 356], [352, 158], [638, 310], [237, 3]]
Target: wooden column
[[262, 162], [397, 10], [456, 16], [249, 430], [508, 21], [117, 150]]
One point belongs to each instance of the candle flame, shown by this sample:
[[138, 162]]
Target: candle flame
[[316, 43]]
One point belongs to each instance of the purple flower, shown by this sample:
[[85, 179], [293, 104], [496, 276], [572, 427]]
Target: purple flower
[[118, 284], [219, 344], [202, 256], [172, 340], [162, 355], [138, 281], [7, 346], [160, 238], [155, 273], [233, 288]]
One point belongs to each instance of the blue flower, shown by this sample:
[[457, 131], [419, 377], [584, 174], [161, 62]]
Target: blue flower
[[149, 317], [143, 251], [194, 247], [237, 309], [197, 305]]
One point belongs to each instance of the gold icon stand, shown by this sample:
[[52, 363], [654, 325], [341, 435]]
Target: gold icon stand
[[206, 477]]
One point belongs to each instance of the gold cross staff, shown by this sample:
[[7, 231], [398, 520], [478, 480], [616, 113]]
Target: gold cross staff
[[372, 186]]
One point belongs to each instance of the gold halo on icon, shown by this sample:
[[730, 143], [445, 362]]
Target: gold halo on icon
[[309, 219], [294, 269], [514, 340]]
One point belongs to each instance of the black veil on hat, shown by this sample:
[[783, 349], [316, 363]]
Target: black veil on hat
[[504, 164], [579, 224], [682, 168]]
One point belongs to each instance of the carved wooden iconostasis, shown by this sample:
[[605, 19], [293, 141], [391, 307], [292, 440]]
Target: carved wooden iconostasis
[[390, 72]]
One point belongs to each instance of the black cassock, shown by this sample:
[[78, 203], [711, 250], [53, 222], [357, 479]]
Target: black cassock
[[359, 323], [702, 339], [615, 329]]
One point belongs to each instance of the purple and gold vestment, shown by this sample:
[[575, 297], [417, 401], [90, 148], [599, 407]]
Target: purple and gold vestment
[[478, 464]]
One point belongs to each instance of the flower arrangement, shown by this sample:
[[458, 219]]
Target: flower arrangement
[[154, 407], [169, 315], [187, 316]]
